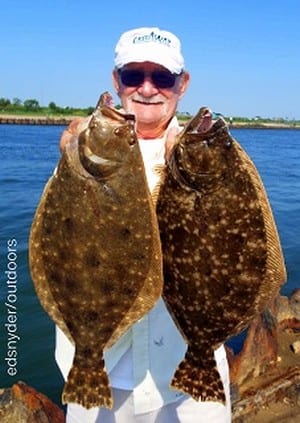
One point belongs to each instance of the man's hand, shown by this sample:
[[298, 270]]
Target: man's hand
[[170, 141], [73, 130]]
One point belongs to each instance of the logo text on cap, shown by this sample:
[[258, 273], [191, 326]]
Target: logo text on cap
[[152, 37]]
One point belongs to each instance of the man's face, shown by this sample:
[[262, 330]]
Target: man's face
[[151, 104]]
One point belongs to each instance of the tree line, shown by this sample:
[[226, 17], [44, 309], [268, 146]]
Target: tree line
[[31, 105]]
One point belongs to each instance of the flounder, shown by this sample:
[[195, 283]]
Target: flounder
[[222, 257], [95, 255]]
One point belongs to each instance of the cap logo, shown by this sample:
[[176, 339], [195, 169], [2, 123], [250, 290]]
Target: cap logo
[[152, 37]]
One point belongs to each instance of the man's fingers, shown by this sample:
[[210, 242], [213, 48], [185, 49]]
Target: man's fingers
[[170, 141], [75, 127]]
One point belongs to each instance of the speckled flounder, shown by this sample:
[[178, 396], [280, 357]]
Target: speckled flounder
[[221, 252], [95, 253]]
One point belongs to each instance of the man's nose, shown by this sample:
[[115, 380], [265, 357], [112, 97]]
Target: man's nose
[[147, 88]]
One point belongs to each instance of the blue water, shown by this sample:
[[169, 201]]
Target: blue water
[[28, 157]]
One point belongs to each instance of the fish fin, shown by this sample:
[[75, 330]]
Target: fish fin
[[40, 280], [276, 270], [88, 387], [199, 379]]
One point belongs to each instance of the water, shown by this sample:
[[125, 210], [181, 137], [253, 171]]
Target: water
[[28, 157], [276, 154]]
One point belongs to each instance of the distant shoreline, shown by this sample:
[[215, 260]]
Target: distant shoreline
[[65, 120], [269, 125], [35, 120]]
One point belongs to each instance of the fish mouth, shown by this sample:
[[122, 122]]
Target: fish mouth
[[105, 107], [97, 166], [206, 123], [204, 131], [97, 160], [201, 123]]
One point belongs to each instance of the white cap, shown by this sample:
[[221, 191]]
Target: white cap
[[149, 45]]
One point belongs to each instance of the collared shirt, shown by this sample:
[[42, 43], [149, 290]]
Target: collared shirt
[[145, 357]]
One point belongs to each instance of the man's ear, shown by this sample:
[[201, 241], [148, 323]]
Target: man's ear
[[184, 83], [115, 80]]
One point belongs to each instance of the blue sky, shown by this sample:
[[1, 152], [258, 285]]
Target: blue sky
[[243, 56]]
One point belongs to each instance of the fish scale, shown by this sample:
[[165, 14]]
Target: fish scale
[[94, 249], [222, 257]]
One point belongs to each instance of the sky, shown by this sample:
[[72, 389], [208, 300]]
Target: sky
[[243, 56]]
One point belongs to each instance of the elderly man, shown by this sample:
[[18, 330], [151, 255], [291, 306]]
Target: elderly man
[[150, 78]]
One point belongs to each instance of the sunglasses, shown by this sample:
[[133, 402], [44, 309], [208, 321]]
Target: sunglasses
[[136, 77]]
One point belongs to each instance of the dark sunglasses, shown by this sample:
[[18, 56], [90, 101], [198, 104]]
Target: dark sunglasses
[[159, 78]]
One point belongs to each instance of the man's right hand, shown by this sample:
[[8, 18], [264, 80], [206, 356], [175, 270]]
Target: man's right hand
[[170, 141], [73, 130]]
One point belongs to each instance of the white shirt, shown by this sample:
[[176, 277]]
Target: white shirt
[[145, 357]]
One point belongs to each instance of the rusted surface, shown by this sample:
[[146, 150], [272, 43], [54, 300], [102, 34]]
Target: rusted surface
[[260, 349], [265, 375], [22, 403], [277, 398]]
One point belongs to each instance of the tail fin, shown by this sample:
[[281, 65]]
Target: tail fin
[[88, 387], [199, 378]]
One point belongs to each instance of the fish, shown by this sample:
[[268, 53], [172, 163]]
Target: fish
[[94, 247], [222, 257]]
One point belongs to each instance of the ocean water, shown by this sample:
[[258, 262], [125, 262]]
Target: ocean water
[[28, 157]]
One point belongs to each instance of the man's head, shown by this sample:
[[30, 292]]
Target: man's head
[[149, 77]]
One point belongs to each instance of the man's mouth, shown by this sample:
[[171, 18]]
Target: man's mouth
[[147, 103]]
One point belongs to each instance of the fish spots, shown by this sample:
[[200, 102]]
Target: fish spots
[[68, 224], [92, 259], [105, 287], [54, 276], [84, 356], [90, 316], [128, 291], [139, 256], [125, 232], [70, 284], [79, 380]]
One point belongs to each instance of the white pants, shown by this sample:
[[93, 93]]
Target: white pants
[[186, 410]]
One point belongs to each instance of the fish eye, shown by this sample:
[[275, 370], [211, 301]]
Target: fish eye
[[205, 143], [126, 131], [132, 141], [228, 143], [118, 131]]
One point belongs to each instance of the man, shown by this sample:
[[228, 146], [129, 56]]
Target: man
[[150, 78]]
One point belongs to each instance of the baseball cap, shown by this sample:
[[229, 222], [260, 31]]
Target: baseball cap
[[150, 45]]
